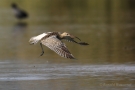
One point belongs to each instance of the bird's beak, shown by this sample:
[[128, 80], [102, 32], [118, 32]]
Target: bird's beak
[[75, 37]]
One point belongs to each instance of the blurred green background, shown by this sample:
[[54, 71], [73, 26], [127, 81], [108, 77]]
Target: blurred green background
[[108, 62], [107, 25]]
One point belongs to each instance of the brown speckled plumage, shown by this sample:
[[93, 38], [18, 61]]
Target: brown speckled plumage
[[53, 41]]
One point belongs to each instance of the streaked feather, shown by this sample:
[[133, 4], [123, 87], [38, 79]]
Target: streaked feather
[[57, 46], [53, 41]]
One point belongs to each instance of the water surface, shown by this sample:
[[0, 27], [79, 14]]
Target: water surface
[[106, 64], [26, 76]]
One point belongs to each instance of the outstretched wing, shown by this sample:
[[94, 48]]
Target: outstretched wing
[[57, 46]]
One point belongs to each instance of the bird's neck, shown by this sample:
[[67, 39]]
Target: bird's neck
[[60, 36]]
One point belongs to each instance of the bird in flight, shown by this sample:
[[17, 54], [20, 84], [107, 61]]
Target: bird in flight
[[53, 41]]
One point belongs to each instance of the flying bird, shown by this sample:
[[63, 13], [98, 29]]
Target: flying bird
[[53, 41], [19, 13]]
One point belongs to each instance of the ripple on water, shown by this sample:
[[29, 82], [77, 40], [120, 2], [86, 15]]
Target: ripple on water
[[19, 71]]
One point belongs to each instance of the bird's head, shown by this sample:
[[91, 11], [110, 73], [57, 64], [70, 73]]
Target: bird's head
[[14, 5], [66, 35]]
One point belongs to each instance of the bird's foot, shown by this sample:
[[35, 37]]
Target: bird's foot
[[42, 53]]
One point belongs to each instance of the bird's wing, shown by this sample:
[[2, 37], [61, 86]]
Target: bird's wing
[[57, 46]]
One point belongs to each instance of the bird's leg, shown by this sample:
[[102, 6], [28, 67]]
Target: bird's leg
[[42, 49]]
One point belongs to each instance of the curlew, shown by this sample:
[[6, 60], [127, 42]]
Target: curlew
[[53, 41]]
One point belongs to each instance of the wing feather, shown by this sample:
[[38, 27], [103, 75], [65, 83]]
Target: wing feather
[[57, 46]]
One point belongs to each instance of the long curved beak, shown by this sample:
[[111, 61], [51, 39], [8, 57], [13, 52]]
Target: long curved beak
[[75, 37], [78, 38]]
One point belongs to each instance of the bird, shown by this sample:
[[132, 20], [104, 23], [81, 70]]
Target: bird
[[19, 13], [53, 40]]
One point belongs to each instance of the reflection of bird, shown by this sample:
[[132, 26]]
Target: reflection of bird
[[20, 26], [53, 41], [20, 14]]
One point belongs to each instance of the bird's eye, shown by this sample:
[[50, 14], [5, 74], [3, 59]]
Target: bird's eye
[[67, 33]]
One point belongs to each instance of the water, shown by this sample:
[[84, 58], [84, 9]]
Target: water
[[106, 64], [26, 76]]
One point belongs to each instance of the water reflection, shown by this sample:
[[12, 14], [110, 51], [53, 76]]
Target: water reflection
[[19, 27]]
